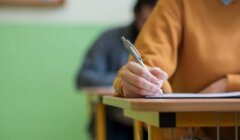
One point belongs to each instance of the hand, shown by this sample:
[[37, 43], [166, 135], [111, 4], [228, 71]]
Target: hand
[[216, 87], [138, 82]]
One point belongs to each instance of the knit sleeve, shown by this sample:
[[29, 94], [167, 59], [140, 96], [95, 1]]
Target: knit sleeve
[[159, 39], [233, 82]]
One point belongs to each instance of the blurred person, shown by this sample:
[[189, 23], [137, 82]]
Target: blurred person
[[194, 46], [105, 58]]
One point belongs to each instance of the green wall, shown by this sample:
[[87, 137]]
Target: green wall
[[38, 65]]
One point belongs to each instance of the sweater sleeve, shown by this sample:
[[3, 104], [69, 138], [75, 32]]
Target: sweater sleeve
[[159, 39], [233, 82]]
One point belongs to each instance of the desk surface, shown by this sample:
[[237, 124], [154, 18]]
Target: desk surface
[[174, 105], [101, 91]]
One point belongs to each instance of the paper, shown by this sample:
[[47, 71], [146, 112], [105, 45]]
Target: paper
[[197, 95]]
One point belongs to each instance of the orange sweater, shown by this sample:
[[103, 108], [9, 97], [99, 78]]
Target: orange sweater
[[195, 41]]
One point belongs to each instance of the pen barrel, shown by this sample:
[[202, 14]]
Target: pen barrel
[[142, 64]]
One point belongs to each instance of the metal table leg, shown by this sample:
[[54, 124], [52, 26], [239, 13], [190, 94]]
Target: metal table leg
[[100, 121], [191, 133], [172, 134], [218, 126], [236, 126], [138, 130]]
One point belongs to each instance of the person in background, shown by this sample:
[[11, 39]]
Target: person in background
[[105, 58], [194, 46]]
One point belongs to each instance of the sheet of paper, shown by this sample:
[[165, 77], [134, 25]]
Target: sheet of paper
[[198, 95]]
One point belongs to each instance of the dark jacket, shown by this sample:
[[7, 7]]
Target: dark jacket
[[105, 58]]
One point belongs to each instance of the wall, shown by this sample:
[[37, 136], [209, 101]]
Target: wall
[[38, 98], [41, 50], [73, 11]]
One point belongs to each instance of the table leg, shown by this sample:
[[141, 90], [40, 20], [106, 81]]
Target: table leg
[[90, 104], [100, 121], [191, 133], [138, 130], [155, 133], [236, 126], [218, 125]]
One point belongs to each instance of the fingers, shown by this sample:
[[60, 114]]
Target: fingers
[[139, 82], [159, 74], [136, 81], [141, 72], [131, 90]]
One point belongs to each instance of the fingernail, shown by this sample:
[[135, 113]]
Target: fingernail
[[158, 90], [158, 93], [160, 83], [161, 92]]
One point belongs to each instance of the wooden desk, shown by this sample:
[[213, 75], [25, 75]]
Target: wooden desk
[[171, 113], [100, 116]]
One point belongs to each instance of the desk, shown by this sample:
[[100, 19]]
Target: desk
[[171, 113], [98, 93]]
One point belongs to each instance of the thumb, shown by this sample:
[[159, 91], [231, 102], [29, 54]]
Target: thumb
[[158, 73]]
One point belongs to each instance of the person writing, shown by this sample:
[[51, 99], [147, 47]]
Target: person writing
[[102, 62], [193, 46]]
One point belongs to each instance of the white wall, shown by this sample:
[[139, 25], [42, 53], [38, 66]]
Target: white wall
[[73, 11]]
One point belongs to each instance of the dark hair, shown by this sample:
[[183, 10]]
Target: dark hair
[[141, 3]]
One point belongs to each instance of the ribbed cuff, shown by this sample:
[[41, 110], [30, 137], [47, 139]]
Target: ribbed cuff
[[167, 87], [233, 82], [118, 88]]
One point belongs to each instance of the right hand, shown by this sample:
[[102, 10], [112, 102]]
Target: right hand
[[139, 82]]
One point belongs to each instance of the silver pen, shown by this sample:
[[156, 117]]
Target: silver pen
[[133, 51]]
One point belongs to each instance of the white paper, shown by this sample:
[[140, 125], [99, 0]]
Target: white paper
[[198, 95]]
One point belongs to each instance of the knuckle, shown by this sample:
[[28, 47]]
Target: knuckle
[[130, 64], [142, 73], [139, 81], [123, 73], [151, 88], [158, 69]]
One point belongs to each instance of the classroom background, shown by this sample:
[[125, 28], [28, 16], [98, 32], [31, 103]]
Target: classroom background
[[41, 49]]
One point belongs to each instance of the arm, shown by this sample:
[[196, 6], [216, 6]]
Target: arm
[[158, 42], [94, 71], [218, 86], [230, 83]]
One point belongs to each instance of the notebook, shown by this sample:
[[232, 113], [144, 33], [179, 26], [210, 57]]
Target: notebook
[[195, 95]]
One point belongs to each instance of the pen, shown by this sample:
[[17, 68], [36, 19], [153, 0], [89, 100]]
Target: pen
[[133, 51]]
